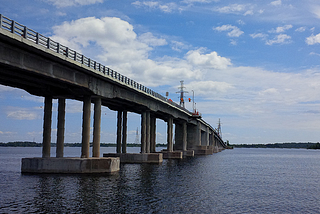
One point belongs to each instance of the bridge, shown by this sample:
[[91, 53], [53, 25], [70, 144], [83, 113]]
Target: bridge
[[43, 67]]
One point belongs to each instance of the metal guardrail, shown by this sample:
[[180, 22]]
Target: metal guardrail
[[33, 36]]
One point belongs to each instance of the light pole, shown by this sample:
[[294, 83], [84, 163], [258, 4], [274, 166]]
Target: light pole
[[193, 101]]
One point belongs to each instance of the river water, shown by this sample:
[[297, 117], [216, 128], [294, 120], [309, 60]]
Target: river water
[[232, 181]]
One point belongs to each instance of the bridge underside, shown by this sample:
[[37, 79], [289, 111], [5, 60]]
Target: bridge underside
[[42, 72]]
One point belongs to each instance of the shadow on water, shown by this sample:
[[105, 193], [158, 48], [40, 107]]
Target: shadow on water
[[136, 188]]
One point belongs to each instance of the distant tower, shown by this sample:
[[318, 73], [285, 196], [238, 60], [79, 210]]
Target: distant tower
[[219, 129], [182, 94]]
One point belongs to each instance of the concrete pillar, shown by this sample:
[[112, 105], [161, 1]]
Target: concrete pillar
[[170, 135], [208, 136], [178, 136], [148, 132], [119, 126], [60, 127], [184, 136], [47, 120], [192, 136], [85, 144], [211, 138], [96, 128], [143, 132], [199, 134], [124, 132], [153, 129]]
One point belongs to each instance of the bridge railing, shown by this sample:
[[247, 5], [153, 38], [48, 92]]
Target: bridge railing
[[39, 39]]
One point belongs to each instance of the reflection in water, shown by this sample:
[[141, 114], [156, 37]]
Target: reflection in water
[[238, 181]]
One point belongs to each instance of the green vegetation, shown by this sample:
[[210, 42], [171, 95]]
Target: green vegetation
[[314, 146], [21, 144], [276, 145], [34, 144]]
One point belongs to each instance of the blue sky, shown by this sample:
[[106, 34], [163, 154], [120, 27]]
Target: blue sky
[[253, 64]]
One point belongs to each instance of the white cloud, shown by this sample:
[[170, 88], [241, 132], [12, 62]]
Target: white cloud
[[263, 36], [248, 12], [233, 8], [300, 29], [313, 53], [17, 113], [178, 46], [233, 42], [150, 39], [316, 11], [209, 88], [115, 43], [199, 1], [211, 60], [313, 39], [276, 3], [233, 31], [8, 133], [114, 36], [239, 9], [241, 22], [281, 29], [280, 39], [68, 3], [167, 8]]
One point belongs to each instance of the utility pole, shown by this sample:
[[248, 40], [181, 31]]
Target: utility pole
[[219, 129]]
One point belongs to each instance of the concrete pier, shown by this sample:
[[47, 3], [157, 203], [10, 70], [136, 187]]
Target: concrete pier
[[70, 165], [172, 154], [203, 150], [153, 158]]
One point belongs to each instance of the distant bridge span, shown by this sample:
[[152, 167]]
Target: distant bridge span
[[43, 67]]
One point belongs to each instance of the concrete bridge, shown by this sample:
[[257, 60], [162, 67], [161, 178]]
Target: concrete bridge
[[43, 67]]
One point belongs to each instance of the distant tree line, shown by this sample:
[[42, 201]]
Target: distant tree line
[[279, 145], [314, 146], [34, 144]]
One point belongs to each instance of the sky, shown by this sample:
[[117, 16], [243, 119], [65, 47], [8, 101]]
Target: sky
[[253, 64]]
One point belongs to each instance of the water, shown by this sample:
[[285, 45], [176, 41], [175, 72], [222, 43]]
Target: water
[[232, 181]]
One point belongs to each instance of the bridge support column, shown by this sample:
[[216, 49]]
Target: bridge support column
[[211, 139], [86, 127], [153, 130], [61, 127], [119, 126], [170, 135], [199, 134], [143, 131], [148, 132], [124, 132], [184, 136], [208, 136], [96, 128], [47, 120]]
